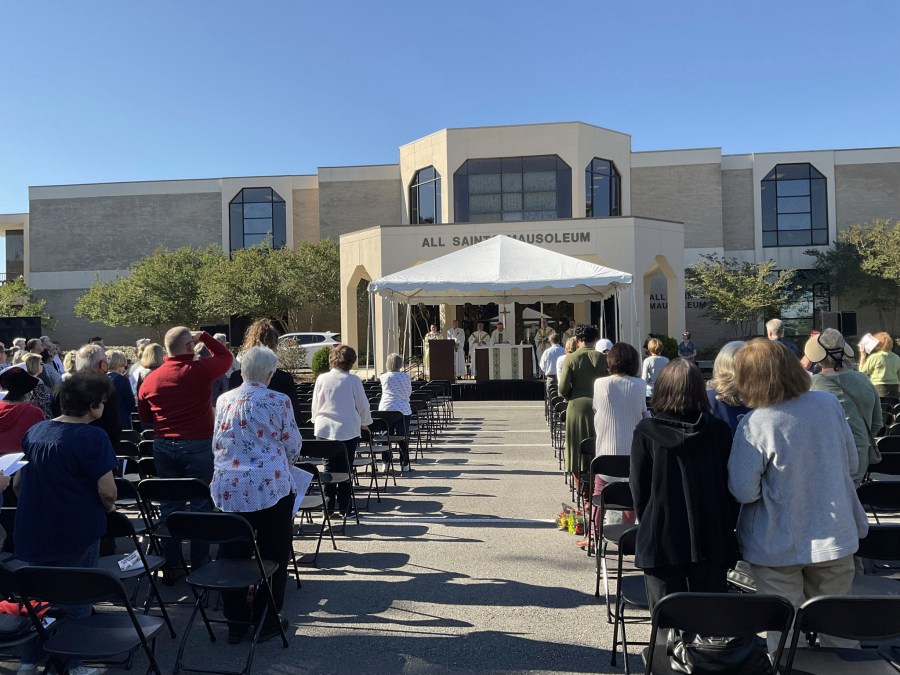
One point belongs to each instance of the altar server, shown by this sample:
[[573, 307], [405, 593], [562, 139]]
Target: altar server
[[458, 335]]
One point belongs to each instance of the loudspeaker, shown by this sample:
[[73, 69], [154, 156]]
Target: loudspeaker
[[12, 327], [848, 324]]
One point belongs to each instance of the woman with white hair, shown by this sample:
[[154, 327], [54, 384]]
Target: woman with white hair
[[255, 443], [724, 398], [396, 388], [857, 394]]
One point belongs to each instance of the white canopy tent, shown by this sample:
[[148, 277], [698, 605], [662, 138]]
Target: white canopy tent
[[501, 270]]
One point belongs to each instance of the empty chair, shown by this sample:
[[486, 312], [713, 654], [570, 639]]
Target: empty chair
[[231, 574], [631, 593], [330, 453], [880, 497], [721, 615], [871, 618], [161, 496], [313, 501], [880, 545]]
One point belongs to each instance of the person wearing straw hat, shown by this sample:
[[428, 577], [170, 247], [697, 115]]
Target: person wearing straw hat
[[862, 406]]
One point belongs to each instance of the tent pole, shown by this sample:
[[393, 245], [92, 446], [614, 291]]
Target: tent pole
[[602, 317], [370, 332], [618, 318]]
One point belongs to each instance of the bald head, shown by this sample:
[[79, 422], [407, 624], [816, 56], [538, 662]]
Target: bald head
[[179, 340]]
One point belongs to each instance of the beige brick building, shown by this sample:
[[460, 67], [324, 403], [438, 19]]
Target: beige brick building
[[515, 179]]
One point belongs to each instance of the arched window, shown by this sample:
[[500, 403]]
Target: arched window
[[512, 188], [257, 215], [425, 197], [602, 189], [794, 206]]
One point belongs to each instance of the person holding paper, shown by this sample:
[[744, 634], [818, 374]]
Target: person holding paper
[[255, 444], [881, 365]]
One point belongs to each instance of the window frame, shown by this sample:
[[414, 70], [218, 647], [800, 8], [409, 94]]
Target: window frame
[[415, 196], [615, 189], [238, 219], [782, 192]]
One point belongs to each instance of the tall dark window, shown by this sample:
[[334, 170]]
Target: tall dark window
[[257, 215], [513, 188], [602, 189], [425, 197], [794, 206]]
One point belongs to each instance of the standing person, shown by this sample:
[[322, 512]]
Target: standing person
[[579, 371], [679, 482], [176, 399], [41, 396], [17, 413], [118, 364], [458, 335], [686, 348], [152, 357], [396, 388], [882, 366], [620, 402], [775, 332], [653, 364], [542, 339], [498, 335], [553, 354], [478, 339], [65, 491], [91, 358], [140, 346], [790, 468], [569, 333], [263, 334], [724, 398], [256, 443], [340, 411], [860, 401], [432, 334], [571, 346]]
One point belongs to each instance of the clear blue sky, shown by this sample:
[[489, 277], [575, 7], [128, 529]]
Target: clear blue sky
[[117, 91]]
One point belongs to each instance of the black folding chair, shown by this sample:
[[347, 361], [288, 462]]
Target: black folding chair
[[103, 637], [888, 469], [118, 525], [9, 590], [715, 614], [613, 497], [869, 618], [880, 497], [630, 593], [223, 575], [318, 451], [313, 500], [880, 545]]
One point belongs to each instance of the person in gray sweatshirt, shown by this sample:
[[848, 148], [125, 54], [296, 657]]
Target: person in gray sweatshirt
[[790, 468]]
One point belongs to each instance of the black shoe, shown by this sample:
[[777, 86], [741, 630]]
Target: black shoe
[[273, 631], [237, 632]]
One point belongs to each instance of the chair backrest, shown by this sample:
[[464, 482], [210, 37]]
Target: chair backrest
[[560, 406], [858, 617], [880, 495], [132, 435], [389, 416], [881, 543], [147, 467], [172, 489], [721, 614], [128, 448], [323, 449], [210, 528], [69, 585], [616, 496], [118, 525], [308, 433], [890, 461], [145, 448], [894, 429], [310, 468], [588, 447], [615, 466], [888, 444], [125, 489]]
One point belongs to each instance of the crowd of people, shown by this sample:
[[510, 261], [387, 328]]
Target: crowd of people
[[761, 465]]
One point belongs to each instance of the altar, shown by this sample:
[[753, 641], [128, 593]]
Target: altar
[[504, 362]]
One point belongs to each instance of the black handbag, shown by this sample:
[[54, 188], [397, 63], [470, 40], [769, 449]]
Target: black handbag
[[13, 627], [699, 655]]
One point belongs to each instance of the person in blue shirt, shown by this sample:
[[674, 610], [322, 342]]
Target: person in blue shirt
[[686, 348]]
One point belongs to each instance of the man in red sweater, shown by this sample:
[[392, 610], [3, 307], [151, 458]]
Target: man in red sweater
[[176, 399]]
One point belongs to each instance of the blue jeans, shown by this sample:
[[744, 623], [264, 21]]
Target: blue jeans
[[175, 458], [32, 652]]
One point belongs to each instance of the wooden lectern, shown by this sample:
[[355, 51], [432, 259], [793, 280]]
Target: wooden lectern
[[441, 365]]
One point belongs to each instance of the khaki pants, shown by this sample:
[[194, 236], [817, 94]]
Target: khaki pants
[[799, 583]]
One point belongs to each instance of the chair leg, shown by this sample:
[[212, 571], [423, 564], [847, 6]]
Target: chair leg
[[187, 630], [153, 590]]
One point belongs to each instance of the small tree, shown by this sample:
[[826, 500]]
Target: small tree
[[17, 299], [166, 288], [320, 361], [865, 264], [740, 293]]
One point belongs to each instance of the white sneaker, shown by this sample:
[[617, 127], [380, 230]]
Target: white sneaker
[[404, 468], [383, 467], [27, 668], [83, 670]]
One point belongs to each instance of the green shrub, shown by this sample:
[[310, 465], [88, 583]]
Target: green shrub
[[320, 361], [669, 346]]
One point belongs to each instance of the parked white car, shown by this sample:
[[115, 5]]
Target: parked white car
[[311, 342]]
